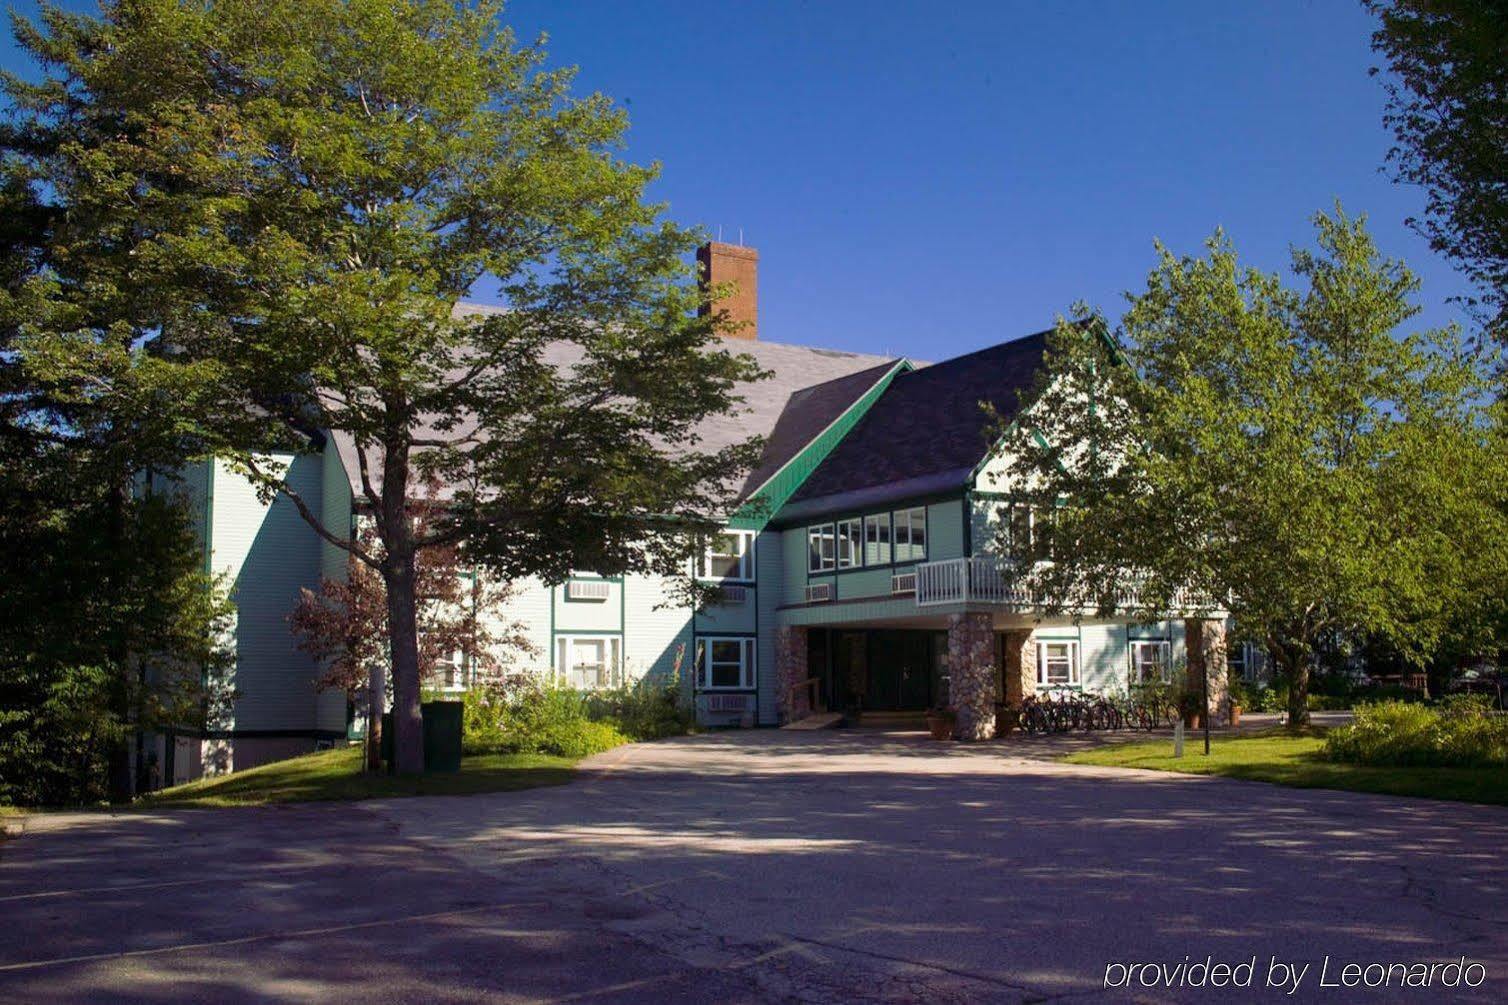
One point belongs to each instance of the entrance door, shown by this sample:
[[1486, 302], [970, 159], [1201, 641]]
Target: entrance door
[[900, 670]]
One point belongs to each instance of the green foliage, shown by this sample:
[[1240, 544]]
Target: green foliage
[[108, 624], [297, 194], [1460, 732], [1448, 110], [1286, 452], [642, 710], [528, 716]]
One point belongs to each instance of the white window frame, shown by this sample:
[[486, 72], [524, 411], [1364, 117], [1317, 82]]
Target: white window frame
[[458, 665], [910, 526], [744, 542], [1075, 675], [612, 656], [1164, 649], [877, 523], [848, 543], [746, 662], [820, 559]]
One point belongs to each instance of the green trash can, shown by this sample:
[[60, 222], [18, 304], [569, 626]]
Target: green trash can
[[442, 736]]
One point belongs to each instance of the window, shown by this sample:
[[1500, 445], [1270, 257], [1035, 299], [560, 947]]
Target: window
[[1057, 663], [877, 539], [1242, 660], [848, 543], [820, 548], [1151, 662], [725, 664], [730, 555], [588, 662], [451, 673], [911, 534]]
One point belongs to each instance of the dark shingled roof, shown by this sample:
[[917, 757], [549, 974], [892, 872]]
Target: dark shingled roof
[[808, 412], [929, 421]]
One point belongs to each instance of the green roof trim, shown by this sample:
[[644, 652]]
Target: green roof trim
[[766, 500]]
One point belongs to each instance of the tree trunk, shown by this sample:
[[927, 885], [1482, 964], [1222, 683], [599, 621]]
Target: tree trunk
[[376, 699], [403, 628], [122, 778], [1293, 664], [1298, 693]]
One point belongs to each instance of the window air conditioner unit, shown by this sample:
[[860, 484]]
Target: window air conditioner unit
[[735, 595], [903, 582], [586, 589], [818, 592], [727, 702]]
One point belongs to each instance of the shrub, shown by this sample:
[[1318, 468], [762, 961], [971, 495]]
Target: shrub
[[643, 710], [524, 715], [1461, 732]]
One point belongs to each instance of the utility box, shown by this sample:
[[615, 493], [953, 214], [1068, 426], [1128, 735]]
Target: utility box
[[442, 736]]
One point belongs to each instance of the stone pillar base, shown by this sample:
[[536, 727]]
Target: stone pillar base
[[971, 672], [790, 670], [1204, 639]]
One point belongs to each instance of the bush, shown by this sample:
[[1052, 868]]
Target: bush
[[643, 710], [526, 716], [1461, 732]]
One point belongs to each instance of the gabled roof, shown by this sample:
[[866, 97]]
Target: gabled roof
[[808, 388], [928, 431]]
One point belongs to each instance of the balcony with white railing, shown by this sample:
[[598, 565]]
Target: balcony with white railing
[[983, 579]]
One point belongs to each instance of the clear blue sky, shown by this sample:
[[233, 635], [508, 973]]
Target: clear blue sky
[[926, 178]]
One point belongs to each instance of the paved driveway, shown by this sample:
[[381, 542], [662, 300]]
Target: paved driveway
[[753, 867]]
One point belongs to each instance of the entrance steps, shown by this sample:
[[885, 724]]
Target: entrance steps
[[817, 720], [907, 720]]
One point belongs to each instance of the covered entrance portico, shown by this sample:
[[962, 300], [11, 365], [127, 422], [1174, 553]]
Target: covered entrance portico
[[879, 669]]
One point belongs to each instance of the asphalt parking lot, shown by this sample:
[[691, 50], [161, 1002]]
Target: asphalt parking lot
[[758, 866]]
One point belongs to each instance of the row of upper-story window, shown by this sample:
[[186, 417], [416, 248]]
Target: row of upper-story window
[[874, 539]]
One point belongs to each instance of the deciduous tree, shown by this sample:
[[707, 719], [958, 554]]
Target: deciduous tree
[[311, 186], [1448, 109], [345, 623], [1287, 451]]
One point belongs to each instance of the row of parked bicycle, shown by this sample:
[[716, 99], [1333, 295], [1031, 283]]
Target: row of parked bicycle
[[1060, 712]]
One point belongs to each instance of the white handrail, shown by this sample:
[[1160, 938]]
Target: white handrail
[[985, 579]]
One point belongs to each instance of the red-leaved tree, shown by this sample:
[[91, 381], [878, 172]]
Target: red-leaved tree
[[345, 624]]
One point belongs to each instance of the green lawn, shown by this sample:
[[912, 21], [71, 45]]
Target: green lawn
[[336, 775], [1296, 759]]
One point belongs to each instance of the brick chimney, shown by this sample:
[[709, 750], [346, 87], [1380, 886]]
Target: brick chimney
[[733, 263]]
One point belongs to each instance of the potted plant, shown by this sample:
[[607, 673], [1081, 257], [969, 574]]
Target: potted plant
[[1238, 700], [941, 722], [1190, 706]]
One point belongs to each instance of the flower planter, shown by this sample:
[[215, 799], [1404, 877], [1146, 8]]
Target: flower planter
[[941, 726], [1235, 715], [1191, 720]]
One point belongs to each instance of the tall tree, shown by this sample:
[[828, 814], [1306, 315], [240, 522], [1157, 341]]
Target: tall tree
[[345, 623], [1287, 452], [1448, 109], [313, 186]]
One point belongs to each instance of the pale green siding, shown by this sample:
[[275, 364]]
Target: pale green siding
[[771, 569], [654, 633], [268, 552], [587, 616], [945, 529]]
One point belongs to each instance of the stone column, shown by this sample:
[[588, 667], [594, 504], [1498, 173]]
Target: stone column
[[971, 674], [1204, 638], [790, 670], [1020, 666]]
